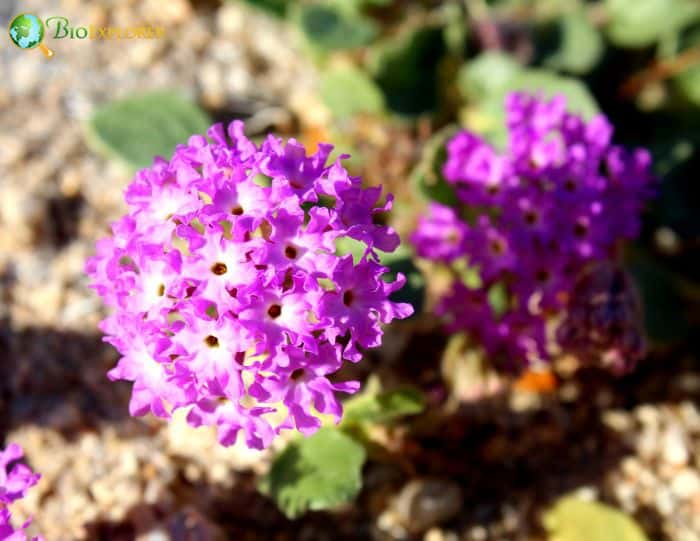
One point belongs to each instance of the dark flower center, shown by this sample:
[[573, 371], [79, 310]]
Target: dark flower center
[[542, 275], [212, 341], [288, 281], [530, 217], [274, 311], [290, 252], [219, 268], [297, 374], [348, 298], [498, 247]]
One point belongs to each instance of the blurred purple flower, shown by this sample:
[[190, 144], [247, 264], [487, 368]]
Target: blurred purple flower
[[557, 200]]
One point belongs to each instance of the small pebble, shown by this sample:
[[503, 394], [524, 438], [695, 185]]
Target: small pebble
[[674, 448], [686, 484], [422, 504], [664, 500]]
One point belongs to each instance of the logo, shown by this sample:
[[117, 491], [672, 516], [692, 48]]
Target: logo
[[27, 32]]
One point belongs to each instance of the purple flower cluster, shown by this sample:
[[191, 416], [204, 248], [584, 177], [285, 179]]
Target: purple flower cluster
[[229, 299], [14, 483], [559, 198]]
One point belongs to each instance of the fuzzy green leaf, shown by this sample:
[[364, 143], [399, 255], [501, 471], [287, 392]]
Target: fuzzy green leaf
[[489, 72], [349, 91], [274, 7], [580, 45], [138, 128], [314, 473], [331, 28], [574, 519], [640, 23], [373, 406]]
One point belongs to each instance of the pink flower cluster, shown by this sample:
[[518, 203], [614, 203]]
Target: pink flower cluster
[[229, 299], [531, 219], [14, 483]]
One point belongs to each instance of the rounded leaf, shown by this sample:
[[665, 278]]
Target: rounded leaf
[[348, 91], [330, 28], [138, 128], [314, 473], [574, 519], [640, 23]]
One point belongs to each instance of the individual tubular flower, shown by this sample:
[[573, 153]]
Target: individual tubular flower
[[15, 481], [227, 296], [533, 219]]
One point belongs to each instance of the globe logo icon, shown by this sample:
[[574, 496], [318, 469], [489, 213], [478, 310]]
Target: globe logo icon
[[27, 32]]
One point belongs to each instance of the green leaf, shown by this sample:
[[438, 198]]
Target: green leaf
[[427, 175], [330, 28], [349, 91], [314, 473], [640, 23], [489, 72], [456, 30], [580, 45], [574, 519], [406, 69], [373, 406], [275, 7], [138, 128]]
